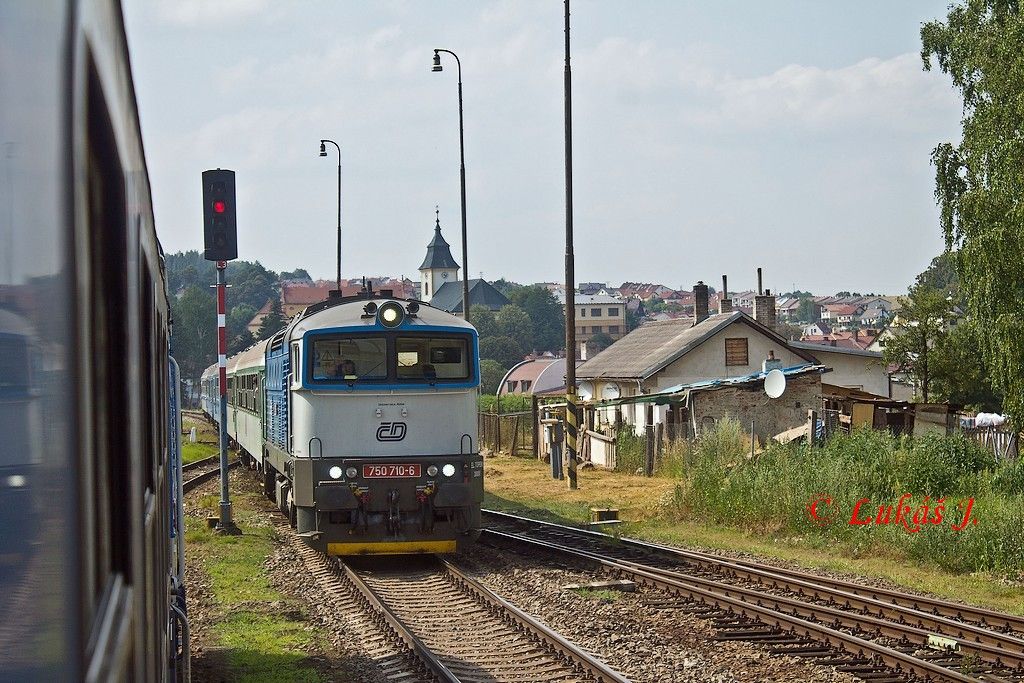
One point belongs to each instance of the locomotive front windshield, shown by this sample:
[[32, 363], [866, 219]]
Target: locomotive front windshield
[[402, 358]]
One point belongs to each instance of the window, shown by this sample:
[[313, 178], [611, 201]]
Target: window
[[595, 312], [338, 358], [432, 358], [613, 312], [511, 385], [583, 313], [736, 351], [597, 329], [613, 329], [526, 385]]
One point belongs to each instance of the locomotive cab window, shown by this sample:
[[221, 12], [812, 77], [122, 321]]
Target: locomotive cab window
[[336, 359], [432, 358]]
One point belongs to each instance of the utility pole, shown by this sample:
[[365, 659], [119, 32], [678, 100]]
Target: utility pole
[[571, 408]]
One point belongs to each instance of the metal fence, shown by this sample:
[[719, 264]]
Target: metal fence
[[508, 432]]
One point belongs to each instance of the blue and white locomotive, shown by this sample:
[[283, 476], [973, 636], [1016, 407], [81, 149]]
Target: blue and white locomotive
[[361, 415]]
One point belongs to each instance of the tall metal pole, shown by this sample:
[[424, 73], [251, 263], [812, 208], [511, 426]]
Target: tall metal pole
[[225, 524], [323, 153], [462, 178], [571, 408]]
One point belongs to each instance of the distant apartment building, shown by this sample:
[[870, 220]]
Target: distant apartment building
[[598, 314]]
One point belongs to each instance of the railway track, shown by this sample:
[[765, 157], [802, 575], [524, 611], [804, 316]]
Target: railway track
[[202, 471], [463, 632], [876, 634]]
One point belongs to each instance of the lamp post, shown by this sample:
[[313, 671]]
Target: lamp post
[[323, 153], [571, 405], [462, 179]]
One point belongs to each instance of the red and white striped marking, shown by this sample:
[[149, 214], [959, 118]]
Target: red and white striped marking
[[222, 332]]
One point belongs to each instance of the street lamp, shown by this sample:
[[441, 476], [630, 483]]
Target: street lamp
[[323, 153], [462, 177]]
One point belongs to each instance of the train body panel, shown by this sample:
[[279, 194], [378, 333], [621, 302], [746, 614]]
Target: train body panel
[[87, 559]]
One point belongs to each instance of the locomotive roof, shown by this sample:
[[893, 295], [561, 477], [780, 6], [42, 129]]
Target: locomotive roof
[[349, 313]]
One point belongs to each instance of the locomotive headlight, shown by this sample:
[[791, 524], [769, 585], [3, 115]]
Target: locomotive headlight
[[17, 481], [391, 314], [335, 472], [351, 472], [448, 470], [432, 470]]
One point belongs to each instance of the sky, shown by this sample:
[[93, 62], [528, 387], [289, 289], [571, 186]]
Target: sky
[[709, 138]]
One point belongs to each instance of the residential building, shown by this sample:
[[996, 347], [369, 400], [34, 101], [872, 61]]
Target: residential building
[[534, 376], [853, 368], [597, 314]]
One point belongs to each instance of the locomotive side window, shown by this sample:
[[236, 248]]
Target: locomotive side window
[[335, 358], [432, 358]]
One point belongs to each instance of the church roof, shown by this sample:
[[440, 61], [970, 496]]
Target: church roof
[[449, 296], [438, 253]]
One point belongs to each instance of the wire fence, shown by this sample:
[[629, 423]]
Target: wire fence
[[512, 433]]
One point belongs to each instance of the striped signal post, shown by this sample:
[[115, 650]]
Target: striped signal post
[[572, 412], [225, 525]]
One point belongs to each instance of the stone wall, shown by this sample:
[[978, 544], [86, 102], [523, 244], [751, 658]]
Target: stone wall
[[770, 416]]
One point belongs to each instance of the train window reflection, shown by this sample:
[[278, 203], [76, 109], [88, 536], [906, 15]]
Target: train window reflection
[[340, 358], [429, 358], [14, 362]]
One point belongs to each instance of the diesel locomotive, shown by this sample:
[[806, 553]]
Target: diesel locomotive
[[361, 417]]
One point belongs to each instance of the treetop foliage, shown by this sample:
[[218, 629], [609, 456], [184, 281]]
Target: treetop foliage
[[979, 185]]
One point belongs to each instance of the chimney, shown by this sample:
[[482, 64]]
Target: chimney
[[724, 302], [700, 302], [764, 305]]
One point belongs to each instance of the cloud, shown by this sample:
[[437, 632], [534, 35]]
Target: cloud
[[208, 13]]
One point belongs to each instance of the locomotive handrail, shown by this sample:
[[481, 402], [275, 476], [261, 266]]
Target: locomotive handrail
[[462, 441], [309, 447]]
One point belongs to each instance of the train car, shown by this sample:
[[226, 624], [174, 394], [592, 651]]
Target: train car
[[89, 569], [368, 425], [209, 396]]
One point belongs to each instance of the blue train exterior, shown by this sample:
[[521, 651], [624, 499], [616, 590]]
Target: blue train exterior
[[361, 418], [90, 508]]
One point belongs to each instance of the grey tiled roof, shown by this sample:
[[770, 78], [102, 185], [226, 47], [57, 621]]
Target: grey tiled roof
[[448, 296], [438, 253], [651, 347]]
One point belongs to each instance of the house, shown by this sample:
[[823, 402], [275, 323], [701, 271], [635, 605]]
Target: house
[[597, 314], [666, 354], [841, 315], [544, 375], [818, 328], [852, 367]]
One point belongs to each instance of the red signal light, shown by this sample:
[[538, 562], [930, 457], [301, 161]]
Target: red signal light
[[219, 206]]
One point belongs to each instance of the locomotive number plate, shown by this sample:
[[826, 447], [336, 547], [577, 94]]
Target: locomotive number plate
[[390, 471]]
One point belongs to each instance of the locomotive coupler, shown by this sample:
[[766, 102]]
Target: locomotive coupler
[[394, 525]]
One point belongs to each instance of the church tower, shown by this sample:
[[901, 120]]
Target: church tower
[[438, 267]]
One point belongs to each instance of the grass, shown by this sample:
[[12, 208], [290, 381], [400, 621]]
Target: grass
[[190, 452], [658, 509], [598, 595], [264, 632]]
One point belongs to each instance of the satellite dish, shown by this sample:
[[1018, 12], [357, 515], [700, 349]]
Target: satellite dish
[[586, 391], [774, 383], [610, 391]]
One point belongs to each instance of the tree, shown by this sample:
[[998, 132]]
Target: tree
[[297, 274], [978, 183], [273, 321], [491, 374], [920, 327], [505, 350], [482, 318], [598, 343], [194, 340], [506, 287], [960, 374], [513, 322], [241, 342], [807, 311], [547, 315]]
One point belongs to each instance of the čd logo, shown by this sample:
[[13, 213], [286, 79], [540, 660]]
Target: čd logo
[[391, 431]]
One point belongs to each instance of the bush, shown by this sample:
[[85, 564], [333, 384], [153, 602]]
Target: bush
[[510, 403]]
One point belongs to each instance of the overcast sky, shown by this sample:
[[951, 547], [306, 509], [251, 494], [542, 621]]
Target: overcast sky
[[709, 137]]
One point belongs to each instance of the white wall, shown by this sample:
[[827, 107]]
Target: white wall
[[854, 371]]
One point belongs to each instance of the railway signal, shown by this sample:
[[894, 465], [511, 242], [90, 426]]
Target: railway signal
[[220, 228]]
